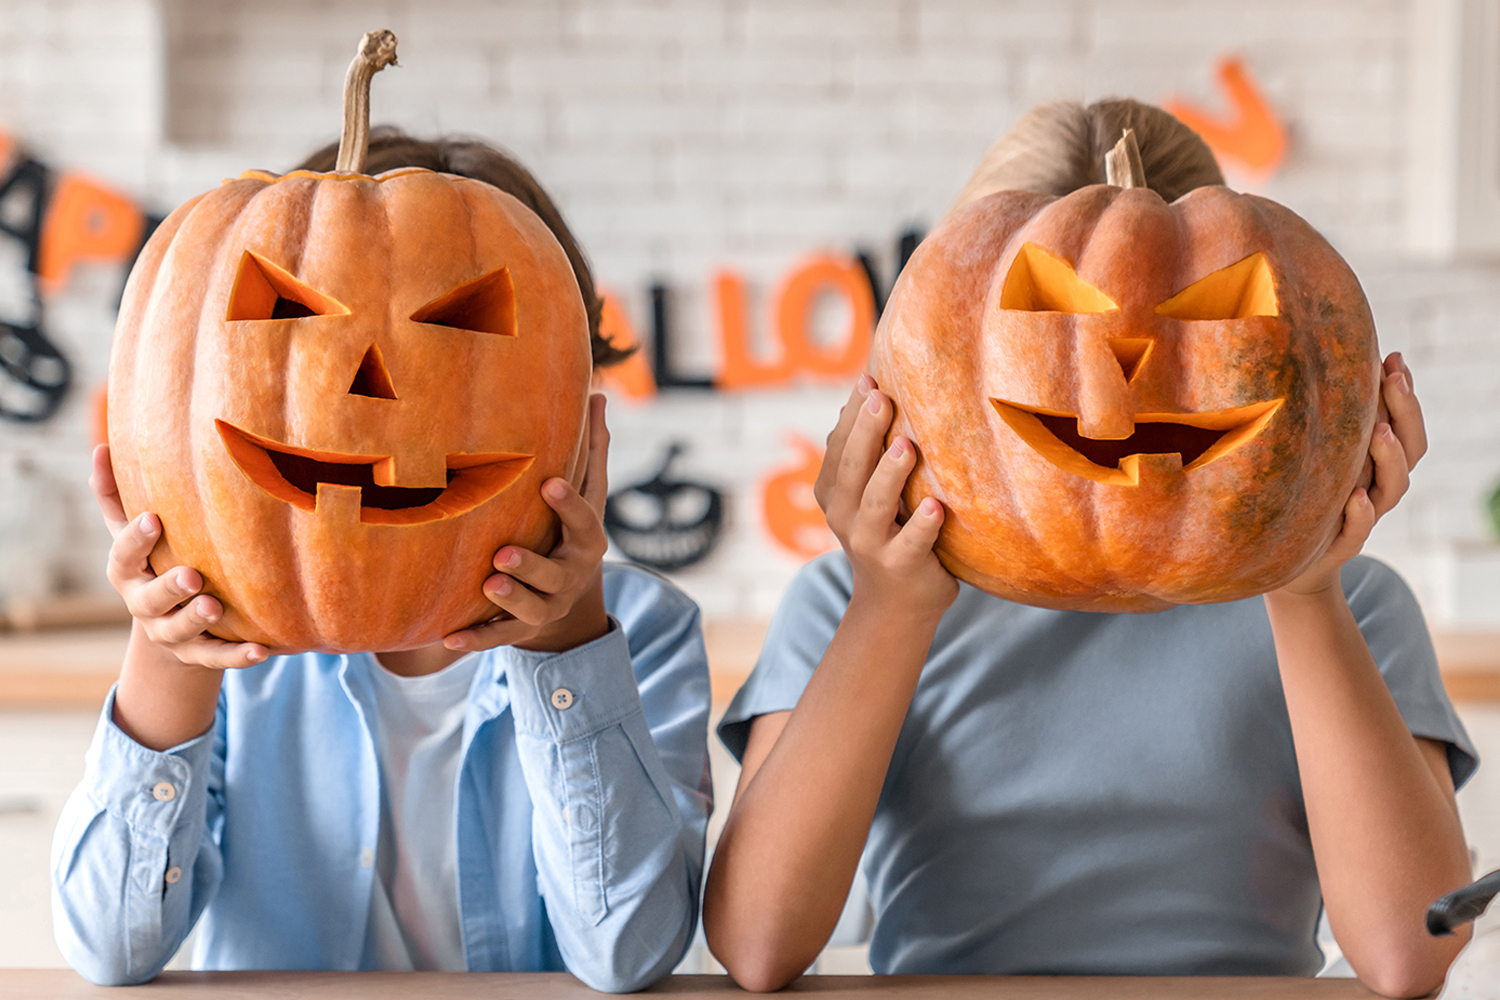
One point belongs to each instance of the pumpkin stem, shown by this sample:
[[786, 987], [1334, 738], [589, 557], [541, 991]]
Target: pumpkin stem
[[377, 50], [1122, 165]]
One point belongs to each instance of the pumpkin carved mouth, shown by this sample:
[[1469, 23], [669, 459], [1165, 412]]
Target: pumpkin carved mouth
[[334, 485], [1198, 438]]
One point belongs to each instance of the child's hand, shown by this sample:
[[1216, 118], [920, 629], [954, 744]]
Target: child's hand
[[163, 606], [1395, 447], [859, 489], [554, 602]]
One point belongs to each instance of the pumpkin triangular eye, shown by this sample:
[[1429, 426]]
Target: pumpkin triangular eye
[[486, 305], [1041, 281], [1233, 292], [264, 291]]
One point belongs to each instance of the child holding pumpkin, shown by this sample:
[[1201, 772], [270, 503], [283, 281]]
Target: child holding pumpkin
[[1060, 792], [528, 794]]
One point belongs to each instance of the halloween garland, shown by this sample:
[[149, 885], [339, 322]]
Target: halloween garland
[[58, 219]]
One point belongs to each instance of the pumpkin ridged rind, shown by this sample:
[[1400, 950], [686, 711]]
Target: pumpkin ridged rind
[[383, 247], [1021, 527]]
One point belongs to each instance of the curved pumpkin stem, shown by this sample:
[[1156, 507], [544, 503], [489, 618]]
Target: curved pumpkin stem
[[377, 50], [1122, 165]]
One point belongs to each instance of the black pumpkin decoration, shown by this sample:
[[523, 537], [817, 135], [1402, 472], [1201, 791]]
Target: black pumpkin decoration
[[665, 523]]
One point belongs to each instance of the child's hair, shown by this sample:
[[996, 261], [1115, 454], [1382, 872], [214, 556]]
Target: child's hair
[[1059, 147], [391, 149]]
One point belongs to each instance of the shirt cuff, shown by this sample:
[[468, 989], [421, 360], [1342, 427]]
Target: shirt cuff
[[147, 789], [576, 693]]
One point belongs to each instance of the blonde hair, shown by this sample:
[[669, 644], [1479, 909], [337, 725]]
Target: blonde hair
[[1059, 147]]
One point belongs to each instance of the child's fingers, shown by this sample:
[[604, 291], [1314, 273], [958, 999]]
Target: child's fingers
[[1359, 519], [877, 508], [596, 477], [518, 600], [156, 596], [920, 532], [496, 632], [128, 555], [1405, 415], [583, 531], [1392, 475], [217, 654], [182, 626], [833, 450], [861, 453], [538, 572], [106, 490]]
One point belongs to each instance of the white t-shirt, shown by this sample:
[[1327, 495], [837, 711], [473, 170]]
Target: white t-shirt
[[418, 729]]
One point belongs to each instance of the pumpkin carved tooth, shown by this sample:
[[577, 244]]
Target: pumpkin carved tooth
[[302, 477], [1197, 438]]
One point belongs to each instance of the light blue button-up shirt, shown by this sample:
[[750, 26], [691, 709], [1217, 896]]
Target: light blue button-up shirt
[[580, 817]]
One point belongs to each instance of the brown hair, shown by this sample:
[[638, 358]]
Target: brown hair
[[390, 148], [1059, 147]]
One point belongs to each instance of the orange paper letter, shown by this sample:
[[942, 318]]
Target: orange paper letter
[[632, 376], [844, 277], [85, 222]]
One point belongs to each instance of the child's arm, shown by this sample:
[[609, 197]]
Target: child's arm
[[811, 777], [611, 725], [169, 682], [133, 862], [1380, 808]]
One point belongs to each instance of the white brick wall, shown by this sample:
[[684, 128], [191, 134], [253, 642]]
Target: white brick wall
[[685, 135]]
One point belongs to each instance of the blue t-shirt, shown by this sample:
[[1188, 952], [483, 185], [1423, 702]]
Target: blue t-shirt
[[1096, 794]]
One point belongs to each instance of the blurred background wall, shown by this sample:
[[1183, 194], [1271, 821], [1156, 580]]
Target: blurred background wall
[[682, 137]]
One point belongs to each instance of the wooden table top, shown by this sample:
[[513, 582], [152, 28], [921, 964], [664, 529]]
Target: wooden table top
[[74, 667], [50, 984]]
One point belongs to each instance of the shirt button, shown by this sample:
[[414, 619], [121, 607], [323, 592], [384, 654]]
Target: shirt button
[[366, 858], [173, 874], [163, 791], [562, 699]]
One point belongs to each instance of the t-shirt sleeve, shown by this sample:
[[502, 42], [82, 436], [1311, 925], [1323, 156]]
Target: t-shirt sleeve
[[1396, 633], [802, 628]]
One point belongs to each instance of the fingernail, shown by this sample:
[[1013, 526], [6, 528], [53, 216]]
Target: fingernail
[[898, 448], [1384, 430], [503, 587], [254, 655], [557, 489], [1403, 384], [148, 525], [456, 643], [874, 403], [181, 577], [865, 384], [513, 559], [929, 507]]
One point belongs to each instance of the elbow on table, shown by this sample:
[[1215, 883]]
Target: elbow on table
[[759, 968], [102, 968], [101, 959], [1406, 976], [761, 976]]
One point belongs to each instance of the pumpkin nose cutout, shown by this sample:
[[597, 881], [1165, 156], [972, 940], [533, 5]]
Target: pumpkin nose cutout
[[372, 379], [1131, 353]]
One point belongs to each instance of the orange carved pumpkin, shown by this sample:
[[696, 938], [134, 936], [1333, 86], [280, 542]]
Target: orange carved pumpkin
[[342, 393], [1125, 404]]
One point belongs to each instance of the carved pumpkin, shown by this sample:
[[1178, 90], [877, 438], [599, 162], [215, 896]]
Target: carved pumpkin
[[342, 393], [1125, 404]]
